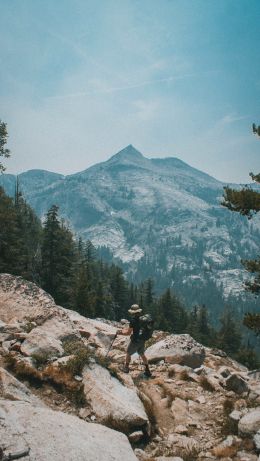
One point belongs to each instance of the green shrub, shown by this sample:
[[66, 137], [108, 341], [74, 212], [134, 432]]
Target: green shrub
[[40, 358], [81, 356]]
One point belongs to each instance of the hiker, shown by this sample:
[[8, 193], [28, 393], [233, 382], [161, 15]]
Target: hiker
[[139, 331]]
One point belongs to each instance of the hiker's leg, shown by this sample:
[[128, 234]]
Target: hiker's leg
[[144, 359], [129, 352], [127, 359], [145, 362]]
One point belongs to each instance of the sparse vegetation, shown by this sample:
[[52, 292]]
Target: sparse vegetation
[[22, 369], [81, 356], [40, 359], [229, 425], [228, 406], [171, 373], [190, 454], [10, 361], [206, 384], [225, 452], [76, 395], [184, 375], [149, 409], [29, 326]]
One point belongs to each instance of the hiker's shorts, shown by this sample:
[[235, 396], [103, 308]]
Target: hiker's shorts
[[136, 346]]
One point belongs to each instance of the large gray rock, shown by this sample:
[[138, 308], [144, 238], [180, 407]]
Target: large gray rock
[[25, 306], [236, 384], [21, 300], [2, 326], [257, 441], [52, 435], [12, 389], [39, 342], [113, 403], [181, 349], [100, 332], [250, 423]]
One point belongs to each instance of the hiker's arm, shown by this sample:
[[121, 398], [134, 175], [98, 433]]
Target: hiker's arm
[[125, 331]]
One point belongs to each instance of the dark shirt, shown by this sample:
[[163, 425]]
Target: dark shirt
[[135, 324]]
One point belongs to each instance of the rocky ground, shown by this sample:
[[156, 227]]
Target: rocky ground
[[63, 398]]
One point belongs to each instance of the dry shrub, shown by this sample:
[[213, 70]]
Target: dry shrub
[[190, 454], [172, 394], [228, 406], [229, 425], [10, 361], [60, 375], [103, 361], [63, 380], [206, 384], [184, 375], [225, 452], [21, 368], [171, 373], [76, 395], [149, 409]]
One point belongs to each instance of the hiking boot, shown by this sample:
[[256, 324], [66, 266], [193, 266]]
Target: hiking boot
[[125, 369], [147, 372]]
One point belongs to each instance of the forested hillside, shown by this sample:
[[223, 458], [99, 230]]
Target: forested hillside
[[73, 273], [155, 218]]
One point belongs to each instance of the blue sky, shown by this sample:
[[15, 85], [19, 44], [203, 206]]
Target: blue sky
[[80, 80]]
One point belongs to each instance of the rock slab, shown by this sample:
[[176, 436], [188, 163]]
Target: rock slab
[[56, 436], [181, 349], [113, 403]]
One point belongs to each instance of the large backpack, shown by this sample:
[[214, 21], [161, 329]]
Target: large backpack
[[146, 326]]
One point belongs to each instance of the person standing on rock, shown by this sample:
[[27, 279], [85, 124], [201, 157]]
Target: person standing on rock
[[137, 339]]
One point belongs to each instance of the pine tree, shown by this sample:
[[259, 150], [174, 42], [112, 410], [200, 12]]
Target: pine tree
[[148, 293], [20, 233], [81, 292], [4, 152], [119, 292], [9, 235], [58, 252], [247, 202], [229, 335], [29, 239]]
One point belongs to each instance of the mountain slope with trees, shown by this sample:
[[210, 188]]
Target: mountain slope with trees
[[156, 218]]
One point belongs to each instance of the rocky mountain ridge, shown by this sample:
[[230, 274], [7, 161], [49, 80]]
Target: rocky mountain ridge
[[62, 396], [160, 218]]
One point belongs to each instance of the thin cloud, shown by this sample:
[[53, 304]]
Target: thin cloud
[[121, 88], [231, 118]]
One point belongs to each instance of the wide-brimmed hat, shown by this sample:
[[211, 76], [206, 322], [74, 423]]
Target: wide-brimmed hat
[[135, 309]]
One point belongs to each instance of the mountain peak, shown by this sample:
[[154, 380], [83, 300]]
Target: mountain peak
[[128, 153]]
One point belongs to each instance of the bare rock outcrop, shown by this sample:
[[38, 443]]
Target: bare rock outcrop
[[56, 436], [27, 300], [181, 349], [12, 389], [184, 411], [113, 403], [250, 423]]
